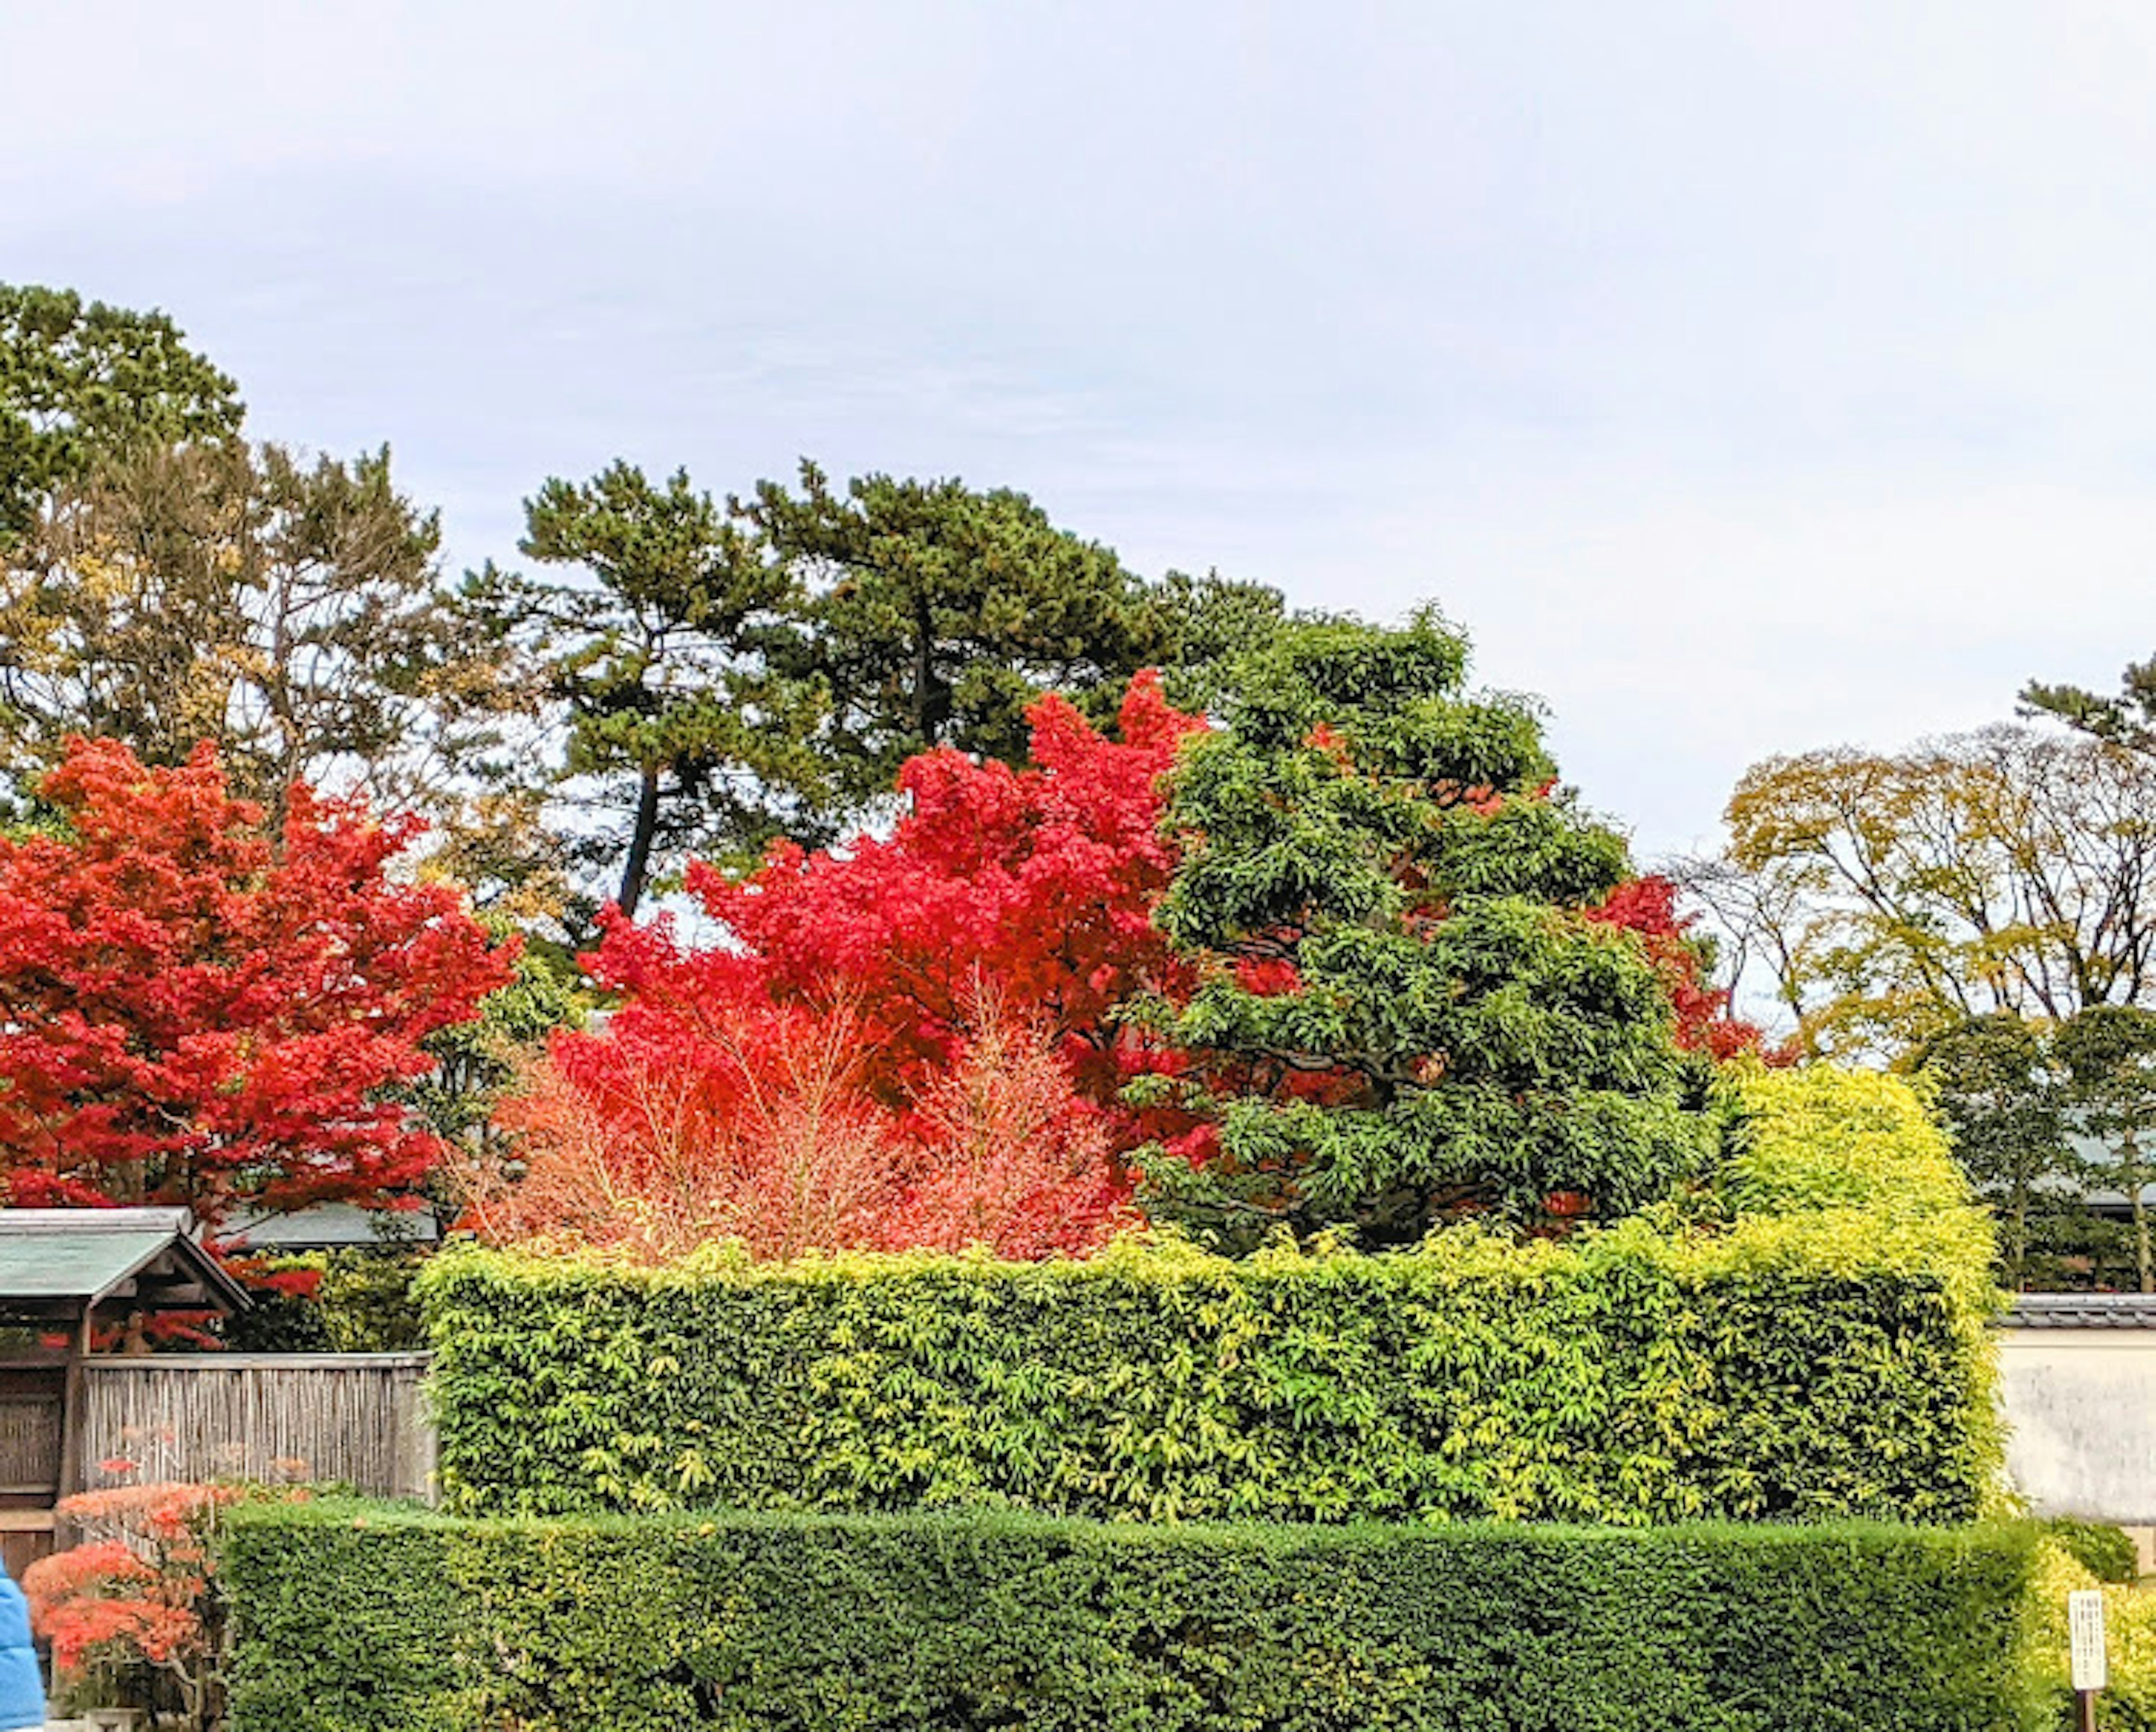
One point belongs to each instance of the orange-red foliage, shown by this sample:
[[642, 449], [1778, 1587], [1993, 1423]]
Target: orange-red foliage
[[756, 1128], [913, 1041], [1011, 1156], [134, 1590], [195, 1008], [1647, 906], [764, 1130]]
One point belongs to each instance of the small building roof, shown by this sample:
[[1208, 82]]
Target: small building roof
[[330, 1227], [73, 1258], [2081, 1311]]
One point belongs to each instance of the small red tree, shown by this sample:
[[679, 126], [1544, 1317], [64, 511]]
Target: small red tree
[[761, 1127], [756, 1128], [194, 1011], [1012, 1156], [136, 1595]]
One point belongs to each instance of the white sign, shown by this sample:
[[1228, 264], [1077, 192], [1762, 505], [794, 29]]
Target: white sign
[[2085, 1619]]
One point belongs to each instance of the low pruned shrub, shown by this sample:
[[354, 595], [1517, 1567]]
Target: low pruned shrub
[[364, 1621]]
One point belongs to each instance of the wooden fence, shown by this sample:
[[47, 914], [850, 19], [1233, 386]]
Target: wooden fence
[[354, 1418]]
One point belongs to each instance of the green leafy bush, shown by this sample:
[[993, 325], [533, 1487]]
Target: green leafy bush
[[1814, 1349], [364, 1303], [2106, 1552], [357, 1621]]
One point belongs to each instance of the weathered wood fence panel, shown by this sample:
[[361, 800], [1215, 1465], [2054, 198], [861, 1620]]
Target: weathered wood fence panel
[[357, 1419]]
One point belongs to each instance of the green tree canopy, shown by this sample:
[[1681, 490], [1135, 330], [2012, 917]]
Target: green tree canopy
[[1403, 1009], [290, 609], [937, 613], [673, 651], [81, 381], [2004, 1094], [729, 675], [2109, 1052]]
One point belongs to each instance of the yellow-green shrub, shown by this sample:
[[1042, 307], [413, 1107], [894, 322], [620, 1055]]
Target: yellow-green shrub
[[1806, 1342], [2128, 1704]]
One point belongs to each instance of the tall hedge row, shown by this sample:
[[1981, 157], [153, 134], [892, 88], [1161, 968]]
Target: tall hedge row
[[358, 1621], [1804, 1340]]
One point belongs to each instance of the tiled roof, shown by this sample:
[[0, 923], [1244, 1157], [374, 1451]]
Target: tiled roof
[[2082, 1311], [329, 1226], [68, 1254]]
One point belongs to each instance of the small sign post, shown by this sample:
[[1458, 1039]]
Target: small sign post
[[2092, 1667]]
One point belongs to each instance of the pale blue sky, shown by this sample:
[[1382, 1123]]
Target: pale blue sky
[[1746, 376]]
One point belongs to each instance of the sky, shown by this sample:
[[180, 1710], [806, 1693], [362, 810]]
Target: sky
[[1746, 377]]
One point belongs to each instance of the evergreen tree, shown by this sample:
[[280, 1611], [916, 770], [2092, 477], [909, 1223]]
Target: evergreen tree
[[1404, 1012], [670, 656], [935, 614], [2005, 1099], [81, 382], [291, 610], [2127, 718]]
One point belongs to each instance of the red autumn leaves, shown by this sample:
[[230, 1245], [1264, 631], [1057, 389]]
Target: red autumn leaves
[[921, 1040], [193, 1012], [913, 1042]]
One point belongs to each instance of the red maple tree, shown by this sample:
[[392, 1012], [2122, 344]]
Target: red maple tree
[[656, 1137], [1648, 906], [920, 1039], [1041, 882], [195, 1011]]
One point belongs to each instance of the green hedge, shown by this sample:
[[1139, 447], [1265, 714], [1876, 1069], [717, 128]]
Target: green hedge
[[352, 1621], [2106, 1551], [1807, 1343]]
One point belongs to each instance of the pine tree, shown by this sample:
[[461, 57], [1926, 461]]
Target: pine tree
[[1405, 1013]]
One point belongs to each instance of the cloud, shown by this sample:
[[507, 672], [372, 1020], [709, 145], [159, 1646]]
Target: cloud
[[1746, 376]]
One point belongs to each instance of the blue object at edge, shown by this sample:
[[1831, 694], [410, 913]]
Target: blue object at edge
[[22, 1690]]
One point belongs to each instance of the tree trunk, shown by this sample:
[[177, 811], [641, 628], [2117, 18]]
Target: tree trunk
[[2129, 1146], [638, 866]]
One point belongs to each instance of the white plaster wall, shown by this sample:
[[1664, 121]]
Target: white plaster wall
[[2081, 1413]]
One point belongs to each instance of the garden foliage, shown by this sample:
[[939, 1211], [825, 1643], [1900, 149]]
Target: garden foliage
[[203, 1009], [1403, 1006], [2106, 1551], [792, 1086], [362, 1621], [1808, 1342], [913, 1042]]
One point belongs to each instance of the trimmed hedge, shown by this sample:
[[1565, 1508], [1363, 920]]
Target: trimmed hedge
[[1808, 1342], [356, 1621]]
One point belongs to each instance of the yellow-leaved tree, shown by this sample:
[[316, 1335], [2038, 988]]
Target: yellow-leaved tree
[[1889, 897]]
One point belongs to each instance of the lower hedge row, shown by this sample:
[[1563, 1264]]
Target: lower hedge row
[[349, 1618]]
